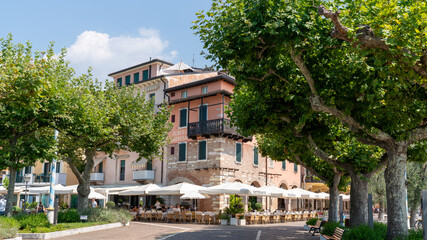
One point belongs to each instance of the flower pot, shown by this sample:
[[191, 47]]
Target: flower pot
[[233, 221], [224, 222], [242, 222]]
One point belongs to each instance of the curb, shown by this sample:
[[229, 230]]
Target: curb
[[15, 238], [69, 232]]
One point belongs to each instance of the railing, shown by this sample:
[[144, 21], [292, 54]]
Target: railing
[[313, 179], [143, 175], [97, 177], [61, 178], [215, 126]]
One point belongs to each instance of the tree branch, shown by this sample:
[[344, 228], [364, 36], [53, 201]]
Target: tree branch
[[418, 134], [270, 72], [299, 61], [311, 169], [75, 171]]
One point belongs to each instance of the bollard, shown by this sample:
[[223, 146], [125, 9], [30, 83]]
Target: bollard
[[370, 212]]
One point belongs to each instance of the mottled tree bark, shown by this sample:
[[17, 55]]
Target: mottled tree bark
[[334, 199], [358, 200], [381, 211], [413, 214], [396, 191], [10, 191]]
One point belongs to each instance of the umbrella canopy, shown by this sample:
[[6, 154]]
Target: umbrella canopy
[[275, 191], [324, 195], [95, 195], [140, 190], [303, 193], [179, 67], [193, 195], [59, 189], [345, 197], [17, 190], [234, 188], [177, 189]]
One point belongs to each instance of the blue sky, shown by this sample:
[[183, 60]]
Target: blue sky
[[108, 35]]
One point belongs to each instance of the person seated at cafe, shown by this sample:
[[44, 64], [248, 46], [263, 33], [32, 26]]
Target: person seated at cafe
[[40, 208], [158, 205], [134, 209]]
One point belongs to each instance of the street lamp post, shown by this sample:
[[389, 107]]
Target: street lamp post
[[27, 178]]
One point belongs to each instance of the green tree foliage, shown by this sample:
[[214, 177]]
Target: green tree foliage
[[106, 120], [236, 206], [31, 87], [362, 62]]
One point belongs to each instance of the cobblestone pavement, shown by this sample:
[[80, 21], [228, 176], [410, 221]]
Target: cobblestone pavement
[[160, 231]]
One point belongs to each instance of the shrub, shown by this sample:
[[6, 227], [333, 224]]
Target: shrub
[[329, 227], [68, 216], [110, 204], [224, 216], [28, 221], [258, 206], [107, 215], [312, 221], [364, 232], [33, 205], [16, 209], [8, 227], [415, 235], [63, 205]]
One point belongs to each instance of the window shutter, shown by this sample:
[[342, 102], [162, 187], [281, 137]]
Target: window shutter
[[255, 156], [238, 152], [183, 117], [283, 164], [136, 77], [127, 80], [295, 167], [202, 150], [119, 82], [182, 152], [145, 75]]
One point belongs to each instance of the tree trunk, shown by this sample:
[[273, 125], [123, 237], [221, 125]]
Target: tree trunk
[[10, 191], [397, 225], [381, 211], [358, 200], [83, 191], [413, 218], [334, 199]]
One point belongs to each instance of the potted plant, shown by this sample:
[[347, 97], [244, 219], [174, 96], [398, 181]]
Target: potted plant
[[236, 207], [224, 219], [242, 220]]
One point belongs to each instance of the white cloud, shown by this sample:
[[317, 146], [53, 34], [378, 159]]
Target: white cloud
[[107, 54]]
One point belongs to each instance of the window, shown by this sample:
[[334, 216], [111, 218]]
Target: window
[[58, 167], [46, 168], [27, 170], [270, 163], [183, 117], [101, 167], [238, 152], [182, 152], [172, 150], [127, 80], [173, 118], [122, 170], [136, 77], [173, 94], [255, 156], [183, 94], [202, 150], [145, 75], [204, 90], [203, 113], [153, 97], [149, 164], [295, 167], [119, 82], [284, 164]]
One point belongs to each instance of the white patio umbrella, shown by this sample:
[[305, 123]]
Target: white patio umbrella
[[177, 189], [302, 193], [193, 195], [179, 67], [140, 190], [95, 195], [234, 188], [278, 192], [4, 190], [345, 197], [59, 189], [324, 195]]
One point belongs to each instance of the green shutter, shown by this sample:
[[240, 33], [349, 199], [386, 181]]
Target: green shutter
[[182, 152], [255, 156], [127, 80], [136, 77], [145, 75], [149, 165], [238, 152], [119, 82], [153, 97], [101, 167], [202, 150], [284, 164], [295, 167], [183, 117]]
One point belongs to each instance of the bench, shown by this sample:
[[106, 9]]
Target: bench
[[315, 228], [338, 232]]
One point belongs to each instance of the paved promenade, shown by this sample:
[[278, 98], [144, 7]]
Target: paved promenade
[[151, 231]]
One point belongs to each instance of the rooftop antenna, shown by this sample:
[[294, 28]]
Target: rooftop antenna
[[193, 61], [150, 58]]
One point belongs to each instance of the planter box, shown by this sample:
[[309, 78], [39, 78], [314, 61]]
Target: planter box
[[306, 227], [224, 222], [242, 222], [69, 232], [233, 221]]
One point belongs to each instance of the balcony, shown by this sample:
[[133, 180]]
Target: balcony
[[215, 127], [313, 179], [61, 178], [143, 175], [97, 177]]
